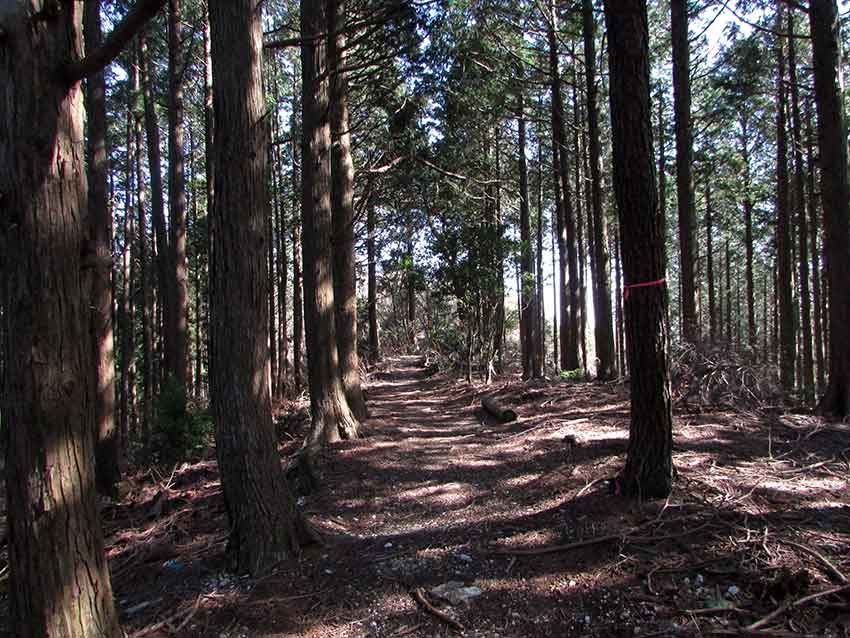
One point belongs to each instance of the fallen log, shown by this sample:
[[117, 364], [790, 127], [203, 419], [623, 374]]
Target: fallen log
[[506, 415]]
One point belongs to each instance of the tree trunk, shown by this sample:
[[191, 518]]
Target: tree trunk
[[684, 166], [606, 367], [260, 508], [835, 188], [145, 297], [344, 266], [297, 279], [209, 135], [540, 309], [59, 583], [787, 349], [332, 418], [125, 318], [748, 232], [527, 309], [372, 285], [649, 466], [564, 207], [812, 202], [177, 196], [581, 265], [709, 236], [108, 448], [808, 375], [152, 136]]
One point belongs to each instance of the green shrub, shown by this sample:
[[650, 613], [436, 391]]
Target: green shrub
[[573, 375]]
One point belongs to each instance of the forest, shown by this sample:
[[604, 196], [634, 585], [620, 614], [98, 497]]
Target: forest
[[386, 318]]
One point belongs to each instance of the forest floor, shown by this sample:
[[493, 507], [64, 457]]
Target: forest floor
[[520, 517]]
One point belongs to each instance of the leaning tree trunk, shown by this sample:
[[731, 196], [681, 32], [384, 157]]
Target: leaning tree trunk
[[343, 218], [649, 465], [331, 416], [260, 508], [108, 448], [59, 582], [835, 188], [684, 166]]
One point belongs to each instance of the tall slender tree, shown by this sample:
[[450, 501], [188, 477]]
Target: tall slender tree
[[684, 166]]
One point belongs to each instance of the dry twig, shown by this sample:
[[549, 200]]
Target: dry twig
[[419, 597]]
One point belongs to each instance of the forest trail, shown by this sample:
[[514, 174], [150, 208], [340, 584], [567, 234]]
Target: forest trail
[[435, 486]]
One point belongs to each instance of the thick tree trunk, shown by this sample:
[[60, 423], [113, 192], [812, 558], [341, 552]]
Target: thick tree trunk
[[649, 466], [835, 188], [344, 266], [808, 374], [684, 166], [332, 418], [59, 583], [177, 196], [787, 349], [606, 367], [372, 286], [108, 448], [528, 307], [260, 508]]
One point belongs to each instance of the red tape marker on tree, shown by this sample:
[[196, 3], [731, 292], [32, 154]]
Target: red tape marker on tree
[[643, 284]]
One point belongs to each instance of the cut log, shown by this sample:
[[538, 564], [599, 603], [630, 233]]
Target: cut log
[[492, 406]]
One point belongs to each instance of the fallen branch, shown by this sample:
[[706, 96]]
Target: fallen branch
[[419, 597], [168, 621], [795, 603]]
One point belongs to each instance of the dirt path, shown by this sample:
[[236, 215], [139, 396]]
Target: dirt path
[[435, 488]]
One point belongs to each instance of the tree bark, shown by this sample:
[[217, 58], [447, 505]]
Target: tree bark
[[343, 217], [177, 197], [59, 582], [126, 324], [606, 367], [835, 189], [684, 166], [331, 417], [260, 508], [744, 120], [108, 448], [649, 466]]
